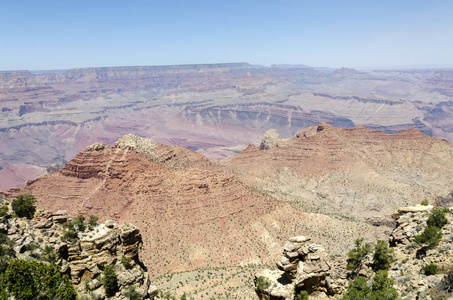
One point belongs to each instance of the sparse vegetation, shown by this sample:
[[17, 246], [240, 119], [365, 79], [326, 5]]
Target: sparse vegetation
[[131, 293], [301, 295], [432, 234], [110, 280], [3, 210], [48, 254], [425, 202], [381, 288], [24, 206], [357, 255], [430, 269], [93, 221], [262, 283], [383, 256], [79, 222], [431, 237], [70, 233], [6, 252], [127, 262], [29, 280], [437, 217]]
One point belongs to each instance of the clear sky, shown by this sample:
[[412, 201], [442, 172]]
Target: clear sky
[[58, 34]]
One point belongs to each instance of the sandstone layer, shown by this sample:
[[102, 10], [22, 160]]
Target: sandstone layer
[[84, 258]]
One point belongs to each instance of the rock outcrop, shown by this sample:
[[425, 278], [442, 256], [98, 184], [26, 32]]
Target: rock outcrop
[[355, 172], [411, 258], [271, 139], [303, 266], [83, 259], [306, 266], [410, 221]]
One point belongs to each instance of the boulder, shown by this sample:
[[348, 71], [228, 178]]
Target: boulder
[[131, 240], [271, 139], [280, 287], [305, 266]]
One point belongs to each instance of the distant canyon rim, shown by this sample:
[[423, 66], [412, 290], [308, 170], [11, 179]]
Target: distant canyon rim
[[46, 118]]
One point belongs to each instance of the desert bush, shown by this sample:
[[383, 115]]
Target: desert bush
[[80, 223], [357, 255], [126, 261], [93, 221], [48, 254], [381, 288], [3, 210], [425, 202], [110, 280], [437, 217], [431, 237], [432, 234], [70, 233], [6, 252], [29, 280], [430, 269], [383, 256], [24, 206], [262, 283], [131, 293], [301, 295]]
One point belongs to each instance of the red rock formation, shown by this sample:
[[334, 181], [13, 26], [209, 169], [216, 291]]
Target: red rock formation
[[190, 215], [353, 171], [194, 213]]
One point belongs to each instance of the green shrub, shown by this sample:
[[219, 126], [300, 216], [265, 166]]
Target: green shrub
[[29, 280], [127, 262], [24, 206], [6, 252], [383, 256], [425, 202], [356, 255], [357, 289], [301, 295], [79, 222], [431, 237], [131, 293], [4, 210], [430, 269], [48, 254], [110, 281], [70, 233], [262, 283], [183, 297], [437, 217], [381, 288], [93, 221]]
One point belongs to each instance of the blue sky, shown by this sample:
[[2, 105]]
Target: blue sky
[[58, 34]]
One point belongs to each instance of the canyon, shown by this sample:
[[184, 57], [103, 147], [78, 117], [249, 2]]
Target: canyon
[[47, 117], [230, 217]]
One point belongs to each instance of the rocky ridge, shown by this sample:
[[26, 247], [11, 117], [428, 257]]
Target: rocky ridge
[[326, 278], [188, 207], [354, 172], [83, 259]]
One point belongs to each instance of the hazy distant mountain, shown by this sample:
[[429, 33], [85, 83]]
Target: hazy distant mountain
[[48, 117]]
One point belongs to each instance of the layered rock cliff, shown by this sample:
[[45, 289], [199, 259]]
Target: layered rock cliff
[[85, 257], [306, 266], [355, 172]]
